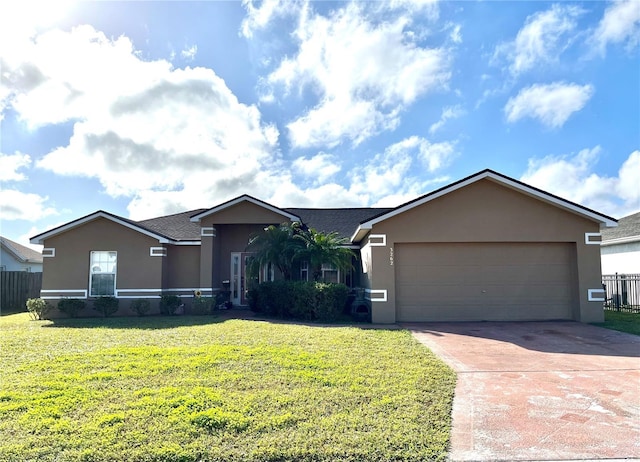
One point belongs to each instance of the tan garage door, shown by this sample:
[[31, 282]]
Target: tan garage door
[[484, 281]]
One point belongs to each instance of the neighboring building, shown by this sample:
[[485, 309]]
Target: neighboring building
[[620, 247], [17, 257], [487, 247]]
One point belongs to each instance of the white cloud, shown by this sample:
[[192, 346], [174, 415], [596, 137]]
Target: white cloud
[[189, 53], [620, 24], [544, 36], [320, 167], [575, 178], [456, 36], [448, 113], [364, 74], [61, 76], [144, 129], [11, 163], [16, 205], [398, 172], [551, 104], [259, 17]]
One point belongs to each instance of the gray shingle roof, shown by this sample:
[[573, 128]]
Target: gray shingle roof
[[177, 226], [343, 221], [628, 227], [22, 253]]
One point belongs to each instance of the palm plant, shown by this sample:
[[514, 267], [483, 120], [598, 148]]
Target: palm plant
[[323, 248], [275, 246]]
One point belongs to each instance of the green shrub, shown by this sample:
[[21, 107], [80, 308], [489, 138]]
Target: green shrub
[[201, 305], [311, 301], [331, 299], [169, 304], [37, 308], [71, 306], [303, 301], [106, 305], [141, 306]]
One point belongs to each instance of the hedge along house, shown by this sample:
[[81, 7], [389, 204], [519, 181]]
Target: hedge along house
[[487, 247]]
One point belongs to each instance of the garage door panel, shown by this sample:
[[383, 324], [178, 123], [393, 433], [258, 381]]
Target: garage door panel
[[484, 281], [482, 274]]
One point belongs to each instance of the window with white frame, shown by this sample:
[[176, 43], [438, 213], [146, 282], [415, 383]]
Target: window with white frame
[[304, 271], [330, 273], [102, 271], [268, 273]]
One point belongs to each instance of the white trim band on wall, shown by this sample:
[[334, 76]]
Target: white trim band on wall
[[48, 252], [67, 293], [380, 295], [157, 251], [596, 295], [208, 231], [593, 238], [377, 240], [156, 293]]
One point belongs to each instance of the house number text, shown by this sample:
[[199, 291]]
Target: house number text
[[391, 256]]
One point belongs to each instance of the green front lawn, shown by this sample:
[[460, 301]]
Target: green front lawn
[[192, 389], [624, 322]]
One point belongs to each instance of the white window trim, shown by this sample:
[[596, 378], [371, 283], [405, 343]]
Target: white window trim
[[596, 295], [304, 268], [328, 267], [208, 231], [589, 241], [48, 252], [115, 274], [371, 292], [157, 251], [380, 238]]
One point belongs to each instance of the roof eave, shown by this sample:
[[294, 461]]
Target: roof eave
[[620, 240], [609, 222], [360, 233], [39, 239]]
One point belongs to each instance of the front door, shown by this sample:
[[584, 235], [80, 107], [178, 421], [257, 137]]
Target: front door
[[239, 279]]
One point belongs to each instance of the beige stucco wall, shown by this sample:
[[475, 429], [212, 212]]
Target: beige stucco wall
[[233, 226], [69, 268], [182, 267], [487, 212]]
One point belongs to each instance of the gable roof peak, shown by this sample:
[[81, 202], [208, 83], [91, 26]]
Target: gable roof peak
[[499, 178], [244, 198]]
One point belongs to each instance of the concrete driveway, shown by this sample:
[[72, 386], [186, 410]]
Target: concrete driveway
[[540, 390]]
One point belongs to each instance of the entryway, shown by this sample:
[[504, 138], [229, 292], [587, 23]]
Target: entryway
[[238, 283]]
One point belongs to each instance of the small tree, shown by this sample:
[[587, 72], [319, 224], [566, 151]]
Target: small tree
[[324, 248], [37, 308], [169, 304], [201, 305], [141, 306], [71, 306], [106, 305], [276, 246]]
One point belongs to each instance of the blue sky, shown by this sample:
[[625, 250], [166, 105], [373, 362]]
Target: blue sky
[[149, 108]]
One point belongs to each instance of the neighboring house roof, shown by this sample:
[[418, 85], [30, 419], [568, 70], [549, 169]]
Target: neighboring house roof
[[628, 230], [342, 221], [366, 225], [20, 252]]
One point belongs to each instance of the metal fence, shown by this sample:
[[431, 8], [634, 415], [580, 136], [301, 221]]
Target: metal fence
[[622, 292], [16, 287]]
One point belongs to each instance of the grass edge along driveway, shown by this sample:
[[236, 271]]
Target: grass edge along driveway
[[193, 389]]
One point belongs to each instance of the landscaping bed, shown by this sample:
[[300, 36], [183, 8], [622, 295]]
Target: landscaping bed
[[193, 389]]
